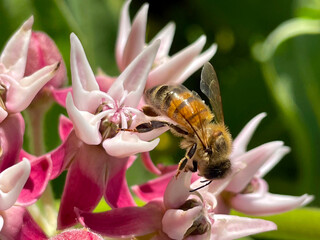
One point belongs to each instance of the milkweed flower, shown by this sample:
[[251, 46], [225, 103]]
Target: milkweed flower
[[166, 69], [95, 153], [18, 91], [244, 191], [180, 215], [131, 41]]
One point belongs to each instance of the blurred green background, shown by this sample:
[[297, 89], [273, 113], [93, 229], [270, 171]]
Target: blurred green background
[[267, 61]]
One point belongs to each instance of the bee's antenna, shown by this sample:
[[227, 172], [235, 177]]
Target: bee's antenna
[[208, 182]]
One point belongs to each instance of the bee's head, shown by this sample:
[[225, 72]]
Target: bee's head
[[216, 170]]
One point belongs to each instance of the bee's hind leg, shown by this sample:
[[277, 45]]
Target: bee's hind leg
[[183, 162]]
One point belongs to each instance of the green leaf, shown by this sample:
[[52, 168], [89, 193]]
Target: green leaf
[[289, 60]]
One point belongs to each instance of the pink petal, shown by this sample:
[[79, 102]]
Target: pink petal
[[3, 114], [240, 143], [84, 184], [176, 222], [234, 227], [272, 161], [60, 95], [262, 203], [83, 234], [21, 93], [166, 37], [65, 127], [86, 94], [136, 38], [12, 181], [86, 125], [254, 159], [62, 156], [197, 63], [178, 190], [169, 71], [117, 192], [133, 78], [125, 144], [147, 162], [154, 188], [11, 138], [125, 222], [104, 82], [41, 169], [14, 55], [123, 32], [18, 224], [42, 52]]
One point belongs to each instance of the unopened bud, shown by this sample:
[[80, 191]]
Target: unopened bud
[[43, 52]]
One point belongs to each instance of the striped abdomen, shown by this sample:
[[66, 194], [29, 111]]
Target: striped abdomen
[[180, 104]]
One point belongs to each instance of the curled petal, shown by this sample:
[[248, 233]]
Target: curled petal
[[124, 30], [125, 222], [87, 96], [262, 203], [136, 38], [125, 144], [197, 63], [14, 55], [104, 81], [272, 161], [65, 127], [60, 95], [86, 125], [12, 181], [178, 190], [41, 169], [166, 37], [253, 159], [146, 159], [62, 156], [176, 222], [154, 188], [18, 224], [21, 93], [133, 78], [83, 234], [169, 71], [118, 193], [240, 143], [84, 184], [11, 139], [234, 227]]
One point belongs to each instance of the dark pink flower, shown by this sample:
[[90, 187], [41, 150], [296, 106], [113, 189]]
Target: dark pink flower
[[94, 152], [181, 215]]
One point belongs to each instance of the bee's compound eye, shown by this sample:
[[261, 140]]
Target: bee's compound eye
[[217, 170]]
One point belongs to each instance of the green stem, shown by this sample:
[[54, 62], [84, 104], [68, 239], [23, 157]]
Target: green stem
[[44, 212]]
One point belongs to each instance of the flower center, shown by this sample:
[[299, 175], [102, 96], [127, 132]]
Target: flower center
[[117, 117], [201, 224]]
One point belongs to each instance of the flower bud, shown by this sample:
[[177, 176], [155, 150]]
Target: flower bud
[[43, 52]]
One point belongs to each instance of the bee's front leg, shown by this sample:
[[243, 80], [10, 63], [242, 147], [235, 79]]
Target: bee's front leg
[[149, 126], [183, 162]]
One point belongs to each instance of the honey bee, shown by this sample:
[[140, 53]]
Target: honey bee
[[206, 139]]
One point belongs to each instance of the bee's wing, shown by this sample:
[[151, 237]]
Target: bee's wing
[[209, 85]]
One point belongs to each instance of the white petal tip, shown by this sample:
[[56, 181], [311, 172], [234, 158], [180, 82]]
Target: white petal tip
[[27, 25]]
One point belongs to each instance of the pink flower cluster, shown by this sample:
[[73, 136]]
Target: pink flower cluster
[[96, 155]]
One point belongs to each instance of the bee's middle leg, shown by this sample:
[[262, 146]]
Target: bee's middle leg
[[183, 162]]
